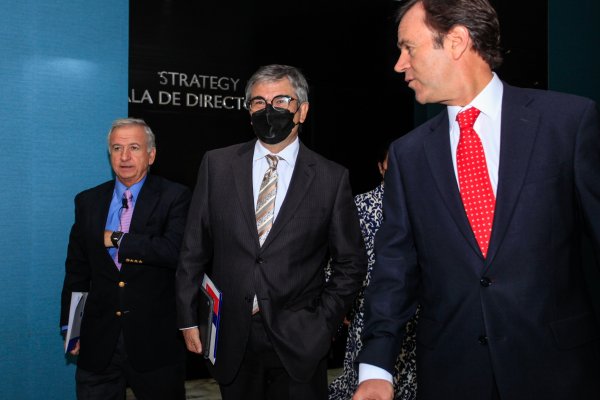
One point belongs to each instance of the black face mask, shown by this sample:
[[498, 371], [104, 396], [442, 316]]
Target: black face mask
[[272, 126]]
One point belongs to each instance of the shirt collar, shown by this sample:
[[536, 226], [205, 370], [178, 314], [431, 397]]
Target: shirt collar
[[488, 101], [134, 189], [289, 154]]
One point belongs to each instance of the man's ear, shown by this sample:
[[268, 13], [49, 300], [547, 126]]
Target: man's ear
[[152, 156], [459, 40], [303, 111]]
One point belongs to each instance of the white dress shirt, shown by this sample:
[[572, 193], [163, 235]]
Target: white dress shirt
[[285, 168], [487, 126]]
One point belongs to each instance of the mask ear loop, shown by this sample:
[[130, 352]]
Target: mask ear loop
[[298, 124]]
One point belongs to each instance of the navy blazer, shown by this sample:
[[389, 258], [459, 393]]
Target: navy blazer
[[317, 220], [522, 316], [138, 300]]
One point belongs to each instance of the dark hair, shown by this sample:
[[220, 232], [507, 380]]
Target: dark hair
[[478, 16]]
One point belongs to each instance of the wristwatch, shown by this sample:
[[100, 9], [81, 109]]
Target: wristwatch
[[115, 238]]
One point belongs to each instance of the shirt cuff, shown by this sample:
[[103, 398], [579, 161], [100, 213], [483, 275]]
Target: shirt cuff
[[368, 371], [188, 327]]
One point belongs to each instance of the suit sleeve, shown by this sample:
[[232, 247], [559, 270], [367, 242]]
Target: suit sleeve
[[77, 266], [196, 251], [348, 255], [390, 298], [160, 247], [587, 174]]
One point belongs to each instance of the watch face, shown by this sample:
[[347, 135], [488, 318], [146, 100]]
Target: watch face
[[114, 238]]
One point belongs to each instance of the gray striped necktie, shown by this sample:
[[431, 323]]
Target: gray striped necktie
[[265, 206]]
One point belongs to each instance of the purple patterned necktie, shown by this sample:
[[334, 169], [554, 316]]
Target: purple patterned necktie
[[124, 221]]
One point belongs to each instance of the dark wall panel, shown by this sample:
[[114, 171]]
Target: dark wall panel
[[345, 48]]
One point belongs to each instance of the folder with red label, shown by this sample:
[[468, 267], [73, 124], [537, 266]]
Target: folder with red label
[[213, 334]]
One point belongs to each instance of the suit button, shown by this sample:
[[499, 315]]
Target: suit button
[[248, 299], [485, 282], [121, 284], [482, 340], [118, 313], [259, 260]]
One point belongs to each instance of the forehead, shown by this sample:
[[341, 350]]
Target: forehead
[[412, 27], [269, 89], [128, 134]]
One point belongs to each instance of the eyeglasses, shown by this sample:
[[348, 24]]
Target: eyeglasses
[[279, 103]]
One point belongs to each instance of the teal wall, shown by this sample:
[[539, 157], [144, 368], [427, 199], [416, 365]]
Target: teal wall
[[573, 40], [574, 67], [63, 79]]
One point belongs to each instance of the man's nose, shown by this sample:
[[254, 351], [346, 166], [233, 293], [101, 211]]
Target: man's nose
[[125, 154], [402, 64]]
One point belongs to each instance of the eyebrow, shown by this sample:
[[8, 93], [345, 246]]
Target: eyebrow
[[403, 42], [264, 98], [125, 144]]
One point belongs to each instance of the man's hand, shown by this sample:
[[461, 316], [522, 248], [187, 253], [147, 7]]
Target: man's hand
[[192, 340], [374, 389], [75, 350]]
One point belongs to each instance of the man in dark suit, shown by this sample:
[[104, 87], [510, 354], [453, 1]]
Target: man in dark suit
[[129, 333], [279, 314], [497, 273]]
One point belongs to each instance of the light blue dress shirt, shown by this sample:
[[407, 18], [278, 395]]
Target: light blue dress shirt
[[116, 206]]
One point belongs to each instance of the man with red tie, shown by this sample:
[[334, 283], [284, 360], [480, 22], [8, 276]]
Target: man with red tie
[[484, 211], [123, 251]]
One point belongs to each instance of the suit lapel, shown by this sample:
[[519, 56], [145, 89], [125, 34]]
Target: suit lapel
[[144, 205], [104, 199], [439, 157], [99, 222], [519, 129], [302, 177], [241, 170]]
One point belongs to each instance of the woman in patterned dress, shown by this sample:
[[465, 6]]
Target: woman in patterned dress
[[405, 379]]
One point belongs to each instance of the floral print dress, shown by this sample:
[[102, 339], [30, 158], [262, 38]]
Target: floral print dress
[[405, 378]]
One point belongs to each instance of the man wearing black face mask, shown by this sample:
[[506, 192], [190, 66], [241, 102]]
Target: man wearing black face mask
[[265, 218]]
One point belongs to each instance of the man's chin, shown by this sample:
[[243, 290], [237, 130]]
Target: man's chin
[[420, 99], [125, 179]]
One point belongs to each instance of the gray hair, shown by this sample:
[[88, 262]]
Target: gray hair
[[277, 72], [121, 122]]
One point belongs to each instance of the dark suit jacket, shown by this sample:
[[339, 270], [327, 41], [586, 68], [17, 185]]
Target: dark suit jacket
[[522, 315], [317, 219], [143, 291]]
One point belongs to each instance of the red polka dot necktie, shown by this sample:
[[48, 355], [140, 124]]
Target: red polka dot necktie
[[474, 180]]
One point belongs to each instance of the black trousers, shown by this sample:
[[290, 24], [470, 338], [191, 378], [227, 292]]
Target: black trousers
[[166, 383], [495, 392], [263, 377]]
